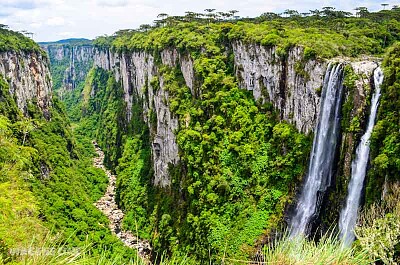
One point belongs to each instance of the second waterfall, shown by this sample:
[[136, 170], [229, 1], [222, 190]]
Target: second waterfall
[[348, 216], [323, 152]]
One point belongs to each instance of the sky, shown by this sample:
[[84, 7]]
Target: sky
[[52, 20]]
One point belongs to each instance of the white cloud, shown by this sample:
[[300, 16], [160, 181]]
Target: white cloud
[[36, 25], [55, 21], [112, 3], [67, 34]]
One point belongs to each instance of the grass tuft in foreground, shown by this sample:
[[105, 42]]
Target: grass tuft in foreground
[[328, 250]]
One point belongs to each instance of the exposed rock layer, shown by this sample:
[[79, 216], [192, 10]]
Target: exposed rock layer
[[290, 83], [29, 78], [136, 71]]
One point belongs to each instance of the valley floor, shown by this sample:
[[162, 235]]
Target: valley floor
[[109, 207]]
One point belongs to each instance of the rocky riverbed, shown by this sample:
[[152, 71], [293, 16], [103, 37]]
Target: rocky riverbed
[[109, 207]]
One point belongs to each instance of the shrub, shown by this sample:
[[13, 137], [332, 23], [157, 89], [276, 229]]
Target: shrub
[[309, 53]]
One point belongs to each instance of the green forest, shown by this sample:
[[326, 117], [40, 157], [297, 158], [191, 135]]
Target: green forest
[[240, 165]]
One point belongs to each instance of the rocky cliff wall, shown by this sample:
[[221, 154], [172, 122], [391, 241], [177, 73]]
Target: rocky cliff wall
[[136, 71], [291, 83], [29, 78]]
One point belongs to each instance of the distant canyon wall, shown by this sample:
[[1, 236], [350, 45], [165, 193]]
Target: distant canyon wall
[[70, 63]]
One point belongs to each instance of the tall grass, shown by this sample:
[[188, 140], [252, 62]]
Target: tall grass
[[328, 250], [293, 251]]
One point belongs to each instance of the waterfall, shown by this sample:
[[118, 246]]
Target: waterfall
[[323, 152], [348, 216]]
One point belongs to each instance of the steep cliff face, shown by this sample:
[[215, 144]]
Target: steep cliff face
[[290, 82], [29, 79], [70, 62], [357, 96], [138, 74], [151, 84]]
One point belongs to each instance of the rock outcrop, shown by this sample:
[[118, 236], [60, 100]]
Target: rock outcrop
[[29, 78]]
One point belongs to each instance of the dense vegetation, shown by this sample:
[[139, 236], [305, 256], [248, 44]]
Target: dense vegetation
[[15, 41], [239, 165], [50, 176]]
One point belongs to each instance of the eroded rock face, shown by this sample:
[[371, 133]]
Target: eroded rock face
[[364, 70], [29, 78], [291, 84], [136, 71]]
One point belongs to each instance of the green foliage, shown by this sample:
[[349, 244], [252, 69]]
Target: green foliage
[[7, 105], [21, 225], [379, 229], [239, 164], [48, 183], [15, 41], [57, 70], [134, 180], [349, 82], [309, 53], [52, 251], [104, 115], [238, 169], [320, 37]]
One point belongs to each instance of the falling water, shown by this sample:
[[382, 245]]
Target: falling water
[[323, 152], [348, 216]]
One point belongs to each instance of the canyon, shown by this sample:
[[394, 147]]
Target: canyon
[[293, 85], [210, 140]]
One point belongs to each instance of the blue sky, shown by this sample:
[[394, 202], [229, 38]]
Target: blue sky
[[52, 20]]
